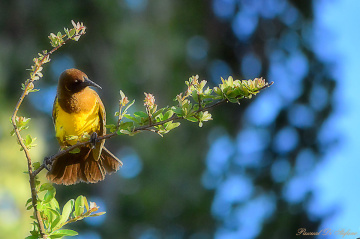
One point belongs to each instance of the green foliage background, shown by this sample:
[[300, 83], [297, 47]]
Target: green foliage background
[[141, 51]]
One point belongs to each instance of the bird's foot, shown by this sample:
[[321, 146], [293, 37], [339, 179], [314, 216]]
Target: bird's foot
[[47, 163], [94, 139]]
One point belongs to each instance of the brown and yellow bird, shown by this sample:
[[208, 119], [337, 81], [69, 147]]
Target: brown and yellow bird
[[78, 110]]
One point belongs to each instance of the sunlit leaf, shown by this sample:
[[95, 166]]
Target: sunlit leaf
[[79, 205], [67, 209], [62, 233], [97, 214]]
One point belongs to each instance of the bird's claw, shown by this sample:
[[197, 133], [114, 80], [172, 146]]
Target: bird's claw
[[94, 139], [47, 163]]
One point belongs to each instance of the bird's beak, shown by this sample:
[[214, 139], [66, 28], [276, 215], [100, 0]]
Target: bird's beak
[[88, 82]]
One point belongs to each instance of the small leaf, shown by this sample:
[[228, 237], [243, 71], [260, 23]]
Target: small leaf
[[28, 201], [127, 125], [79, 205], [122, 95], [28, 140], [69, 206], [75, 151], [36, 165], [110, 126], [128, 106], [192, 119], [177, 110], [71, 33], [141, 114], [32, 237], [131, 118], [158, 112], [49, 195], [46, 186], [168, 114], [62, 233], [55, 217], [172, 126], [54, 204], [40, 206], [97, 214]]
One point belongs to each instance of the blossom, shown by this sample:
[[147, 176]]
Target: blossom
[[149, 100]]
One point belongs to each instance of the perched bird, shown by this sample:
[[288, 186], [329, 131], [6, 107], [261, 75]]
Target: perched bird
[[78, 110]]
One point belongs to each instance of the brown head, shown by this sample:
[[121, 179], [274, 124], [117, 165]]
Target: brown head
[[73, 81]]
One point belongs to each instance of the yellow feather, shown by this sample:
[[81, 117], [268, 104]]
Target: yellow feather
[[76, 124]]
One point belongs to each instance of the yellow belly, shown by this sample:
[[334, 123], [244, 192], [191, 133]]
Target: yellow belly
[[76, 124]]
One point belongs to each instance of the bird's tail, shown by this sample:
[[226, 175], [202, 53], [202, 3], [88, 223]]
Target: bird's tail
[[82, 167]]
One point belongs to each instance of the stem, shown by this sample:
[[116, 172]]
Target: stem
[[20, 139], [31, 176]]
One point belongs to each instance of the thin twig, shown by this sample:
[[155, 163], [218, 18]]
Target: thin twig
[[21, 142]]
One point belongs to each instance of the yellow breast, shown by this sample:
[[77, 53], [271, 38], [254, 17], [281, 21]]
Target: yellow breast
[[76, 124]]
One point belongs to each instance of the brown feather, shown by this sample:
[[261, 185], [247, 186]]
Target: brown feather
[[82, 167]]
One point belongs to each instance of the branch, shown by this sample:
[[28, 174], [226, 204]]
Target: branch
[[53, 158], [228, 91], [27, 88]]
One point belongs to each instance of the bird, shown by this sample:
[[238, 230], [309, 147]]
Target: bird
[[78, 111]]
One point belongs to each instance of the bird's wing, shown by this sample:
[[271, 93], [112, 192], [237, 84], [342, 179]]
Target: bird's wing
[[102, 129], [54, 111]]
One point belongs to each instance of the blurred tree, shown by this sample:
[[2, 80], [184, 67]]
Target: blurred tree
[[259, 154]]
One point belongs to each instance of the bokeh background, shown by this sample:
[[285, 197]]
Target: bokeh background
[[285, 160]]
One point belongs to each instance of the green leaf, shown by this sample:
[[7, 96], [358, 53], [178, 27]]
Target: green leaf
[[54, 217], [205, 116], [128, 106], [168, 114], [127, 132], [111, 127], [72, 32], [36, 165], [40, 206], [141, 114], [79, 205], [177, 110], [75, 151], [46, 186], [28, 141], [49, 195], [86, 204], [32, 237], [62, 233], [97, 214], [159, 111], [131, 118], [127, 125], [69, 206], [54, 204], [159, 117], [172, 126], [28, 201], [195, 95], [192, 119]]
